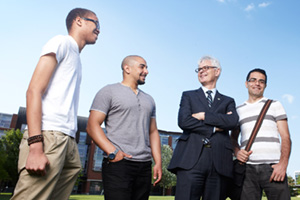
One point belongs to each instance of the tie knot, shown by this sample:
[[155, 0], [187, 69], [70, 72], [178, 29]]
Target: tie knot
[[208, 91]]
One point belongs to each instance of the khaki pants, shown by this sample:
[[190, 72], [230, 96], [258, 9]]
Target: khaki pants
[[62, 153]]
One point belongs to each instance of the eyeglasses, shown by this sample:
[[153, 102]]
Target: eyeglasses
[[91, 20], [204, 68], [254, 80]]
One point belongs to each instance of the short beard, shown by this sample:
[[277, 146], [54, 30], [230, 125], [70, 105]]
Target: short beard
[[140, 82]]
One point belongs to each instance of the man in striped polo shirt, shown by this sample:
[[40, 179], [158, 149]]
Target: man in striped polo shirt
[[267, 161]]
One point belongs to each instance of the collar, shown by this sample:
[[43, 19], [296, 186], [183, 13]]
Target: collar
[[213, 94]]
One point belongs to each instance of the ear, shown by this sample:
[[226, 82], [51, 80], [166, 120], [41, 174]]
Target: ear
[[127, 69], [78, 21], [217, 72], [246, 84]]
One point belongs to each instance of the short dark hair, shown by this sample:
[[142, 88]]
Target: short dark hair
[[81, 12], [259, 71]]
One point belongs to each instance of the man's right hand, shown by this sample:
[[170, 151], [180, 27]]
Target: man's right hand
[[37, 161], [120, 156], [243, 155]]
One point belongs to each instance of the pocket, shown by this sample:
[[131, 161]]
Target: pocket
[[115, 162], [53, 140], [270, 168]]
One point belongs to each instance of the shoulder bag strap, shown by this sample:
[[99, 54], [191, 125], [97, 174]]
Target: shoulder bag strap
[[258, 124]]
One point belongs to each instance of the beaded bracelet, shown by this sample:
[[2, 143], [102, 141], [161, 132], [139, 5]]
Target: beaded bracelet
[[35, 139]]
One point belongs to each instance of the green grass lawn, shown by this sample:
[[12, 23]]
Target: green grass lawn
[[100, 197], [6, 196]]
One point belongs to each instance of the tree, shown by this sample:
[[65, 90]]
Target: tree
[[292, 187], [9, 149], [3, 158], [168, 179]]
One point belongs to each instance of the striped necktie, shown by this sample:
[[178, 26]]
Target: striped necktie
[[209, 98]]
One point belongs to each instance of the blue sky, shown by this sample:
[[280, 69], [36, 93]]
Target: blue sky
[[171, 35]]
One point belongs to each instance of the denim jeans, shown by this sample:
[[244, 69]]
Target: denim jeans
[[257, 178]]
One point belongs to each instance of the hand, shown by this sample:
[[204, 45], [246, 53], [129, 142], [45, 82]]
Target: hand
[[157, 174], [243, 155], [120, 156], [199, 115], [37, 162], [220, 129], [279, 172]]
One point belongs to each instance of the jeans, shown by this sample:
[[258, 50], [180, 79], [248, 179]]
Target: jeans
[[257, 178], [126, 180]]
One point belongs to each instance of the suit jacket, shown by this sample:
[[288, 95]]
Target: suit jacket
[[189, 146]]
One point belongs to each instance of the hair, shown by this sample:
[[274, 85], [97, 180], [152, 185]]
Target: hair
[[128, 60], [76, 12], [213, 61], [259, 71]]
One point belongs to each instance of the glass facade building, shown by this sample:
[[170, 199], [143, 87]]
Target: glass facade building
[[5, 120], [297, 178], [91, 156]]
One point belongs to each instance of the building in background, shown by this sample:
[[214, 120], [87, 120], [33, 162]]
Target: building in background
[[90, 155], [7, 122], [297, 178]]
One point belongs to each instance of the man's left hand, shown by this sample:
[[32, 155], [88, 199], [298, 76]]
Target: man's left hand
[[157, 173], [199, 115], [279, 172]]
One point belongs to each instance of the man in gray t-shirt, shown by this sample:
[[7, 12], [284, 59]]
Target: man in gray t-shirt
[[132, 137]]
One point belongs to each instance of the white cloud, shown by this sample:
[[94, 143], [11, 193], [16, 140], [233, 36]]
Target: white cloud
[[288, 97], [249, 7], [264, 4], [221, 1]]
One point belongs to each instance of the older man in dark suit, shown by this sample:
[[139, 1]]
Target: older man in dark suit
[[202, 159]]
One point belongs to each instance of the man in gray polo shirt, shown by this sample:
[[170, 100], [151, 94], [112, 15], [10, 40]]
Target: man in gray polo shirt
[[132, 137]]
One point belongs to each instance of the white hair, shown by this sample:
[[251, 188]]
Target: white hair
[[213, 61]]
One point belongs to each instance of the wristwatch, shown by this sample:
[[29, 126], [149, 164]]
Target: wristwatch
[[112, 155]]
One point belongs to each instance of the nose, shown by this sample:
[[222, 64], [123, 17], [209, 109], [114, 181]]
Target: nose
[[146, 70]]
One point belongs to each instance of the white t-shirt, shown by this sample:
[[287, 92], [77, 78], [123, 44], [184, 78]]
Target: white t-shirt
[[266, 147], [60, 100]]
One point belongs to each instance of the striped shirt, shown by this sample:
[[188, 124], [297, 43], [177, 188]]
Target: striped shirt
[[266, 147]]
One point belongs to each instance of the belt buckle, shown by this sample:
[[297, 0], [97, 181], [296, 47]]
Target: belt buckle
[[206, 143]]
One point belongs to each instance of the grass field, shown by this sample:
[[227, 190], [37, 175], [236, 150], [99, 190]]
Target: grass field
[[5, 196], [100, 197]]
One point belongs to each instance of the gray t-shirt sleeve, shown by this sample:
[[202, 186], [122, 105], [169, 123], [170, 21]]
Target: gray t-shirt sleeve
[[153, 115], [102, 100]]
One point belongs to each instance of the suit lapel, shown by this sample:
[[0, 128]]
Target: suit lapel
[[202, 97], [217, 101]]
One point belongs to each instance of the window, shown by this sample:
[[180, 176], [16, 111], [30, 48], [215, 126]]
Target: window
[[164, 139], [174, 141], [5, 120], [98, 157], [82, 148]]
